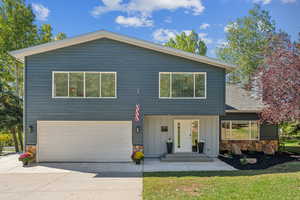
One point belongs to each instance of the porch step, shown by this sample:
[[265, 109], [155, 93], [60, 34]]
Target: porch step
[[186, 157]]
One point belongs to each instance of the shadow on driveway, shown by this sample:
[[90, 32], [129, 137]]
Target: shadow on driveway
[[113, 170]]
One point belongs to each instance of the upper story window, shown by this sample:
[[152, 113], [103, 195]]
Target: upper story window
[[84, 84], [240, 130], [189, 85]]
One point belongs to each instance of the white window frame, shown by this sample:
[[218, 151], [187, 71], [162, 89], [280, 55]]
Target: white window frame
[[84, 89], [194, 97], [250, 128]]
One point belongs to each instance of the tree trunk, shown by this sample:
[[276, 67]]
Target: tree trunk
[[17, 78], [20, 136], [13, 132], [19, 132]]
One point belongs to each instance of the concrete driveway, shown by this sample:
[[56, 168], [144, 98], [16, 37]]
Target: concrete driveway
[[85, 181], [75, 181]]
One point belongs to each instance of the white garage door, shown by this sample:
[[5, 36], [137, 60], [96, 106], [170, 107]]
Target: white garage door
[[84, 141]]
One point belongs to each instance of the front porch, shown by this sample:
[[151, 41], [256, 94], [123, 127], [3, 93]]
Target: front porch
[[184, 132], [155, 165], [186, 157]]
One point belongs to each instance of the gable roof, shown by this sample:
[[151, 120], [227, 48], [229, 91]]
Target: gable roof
[[240, 100], [22, 53]]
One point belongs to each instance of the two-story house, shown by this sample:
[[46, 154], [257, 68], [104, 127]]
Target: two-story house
[[81, 97]]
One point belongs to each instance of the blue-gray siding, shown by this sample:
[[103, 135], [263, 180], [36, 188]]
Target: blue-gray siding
[[137, 68], [267, 131]]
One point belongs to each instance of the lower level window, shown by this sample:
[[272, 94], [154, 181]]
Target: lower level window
[[240, 130]]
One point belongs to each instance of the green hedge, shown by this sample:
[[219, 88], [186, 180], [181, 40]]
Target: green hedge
[[6, 139]]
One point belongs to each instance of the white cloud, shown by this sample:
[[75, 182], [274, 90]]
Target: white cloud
[[221, 43], [262, 1], [288, 1], [187, 32], [269, 1], [146, 7], [204, 26], [168, 20], [108, 5], [230, 26], [212, 53], [40, 11], [163, 35], [207, 40], [134, 21]]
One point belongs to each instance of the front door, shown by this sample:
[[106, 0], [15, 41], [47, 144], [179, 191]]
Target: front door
[[183, 135]]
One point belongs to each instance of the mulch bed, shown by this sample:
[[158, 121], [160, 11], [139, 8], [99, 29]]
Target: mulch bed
[[263, 161]]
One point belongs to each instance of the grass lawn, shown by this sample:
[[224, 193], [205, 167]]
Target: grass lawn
[[279, 182]]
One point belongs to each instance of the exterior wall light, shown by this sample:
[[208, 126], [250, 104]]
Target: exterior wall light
[[30, 128]]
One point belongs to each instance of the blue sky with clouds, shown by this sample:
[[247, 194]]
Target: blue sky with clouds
[[158, 20]]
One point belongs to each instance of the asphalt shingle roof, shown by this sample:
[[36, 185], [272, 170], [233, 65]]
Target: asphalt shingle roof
[[239, 99]]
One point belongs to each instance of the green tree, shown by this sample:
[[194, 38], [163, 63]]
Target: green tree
[[248, 38], [190, 43], [45, 33], [17, 31], [60, 36], [11, 117]]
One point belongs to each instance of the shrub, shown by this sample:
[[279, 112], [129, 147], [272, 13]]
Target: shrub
[[137, 156], [244, 161], [26, 157], [6, 139]]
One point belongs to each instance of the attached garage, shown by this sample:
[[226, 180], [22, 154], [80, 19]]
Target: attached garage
[[84, 141]]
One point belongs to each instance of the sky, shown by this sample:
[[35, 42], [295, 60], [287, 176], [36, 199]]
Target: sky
[[159, 20]]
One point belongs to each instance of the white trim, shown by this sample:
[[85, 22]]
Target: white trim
[[250, 135], [68, 84], [84, 84], [53, 83], [99, 85], [37, 140], [84, 95], [243, 111], [194, 95], [22, 53], [171, 87], [205, 85], [116, 85], [25, 125], [100, 78]]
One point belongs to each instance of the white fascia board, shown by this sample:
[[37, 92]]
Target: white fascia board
[[22, 53]]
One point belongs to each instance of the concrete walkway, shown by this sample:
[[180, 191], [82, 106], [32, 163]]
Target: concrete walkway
[[154, 165]]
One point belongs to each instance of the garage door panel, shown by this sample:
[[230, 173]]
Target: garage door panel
[[84, 141]]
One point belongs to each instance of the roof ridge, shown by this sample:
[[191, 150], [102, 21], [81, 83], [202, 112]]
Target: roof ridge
[[22, 53]]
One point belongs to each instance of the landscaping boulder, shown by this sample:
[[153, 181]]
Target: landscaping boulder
[[236, 150], [251, 160], [268, 149]]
